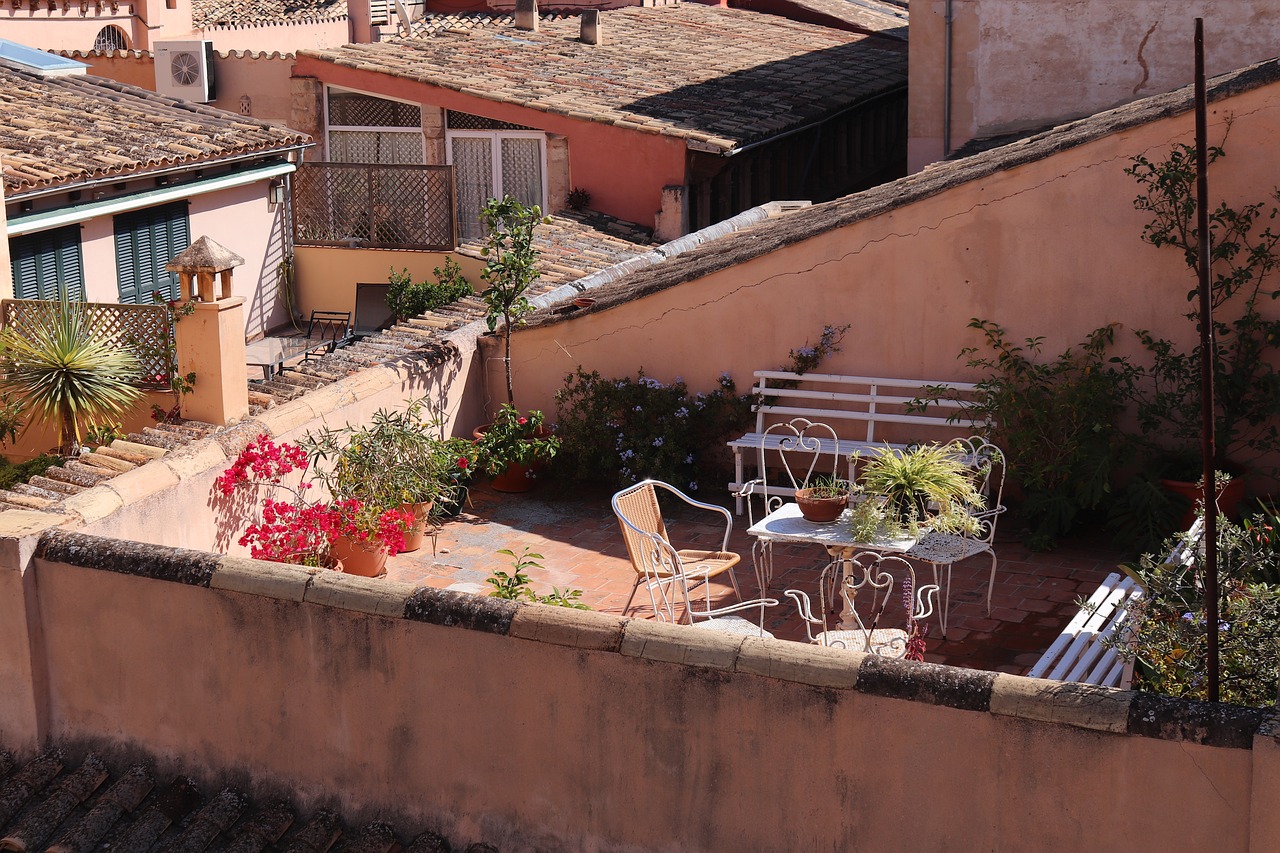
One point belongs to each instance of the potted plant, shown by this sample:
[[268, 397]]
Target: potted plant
[[822, 499], [346, 533], [399, 460], [510, 448], [1246, 376], [925, 487]]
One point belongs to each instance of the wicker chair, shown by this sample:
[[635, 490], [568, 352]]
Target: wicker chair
[[669, 573]]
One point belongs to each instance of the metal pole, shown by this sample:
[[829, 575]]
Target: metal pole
[[1206, 371]]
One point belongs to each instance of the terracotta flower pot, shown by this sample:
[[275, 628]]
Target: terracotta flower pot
[[516, 477], [369, 561], [418, 532], [820, 510], [1230, 497]]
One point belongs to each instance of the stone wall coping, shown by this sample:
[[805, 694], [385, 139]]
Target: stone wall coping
[[1100, 709]]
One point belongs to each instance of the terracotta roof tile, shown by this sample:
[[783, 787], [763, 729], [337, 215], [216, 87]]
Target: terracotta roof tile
[[697, 72], [870, 16], [64, 130], [241, 13]]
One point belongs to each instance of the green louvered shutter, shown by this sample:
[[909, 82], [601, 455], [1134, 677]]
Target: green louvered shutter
[[146, 240], [44, 261]]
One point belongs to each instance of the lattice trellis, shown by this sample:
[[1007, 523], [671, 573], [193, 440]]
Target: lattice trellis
[[348, 109], [144, 330], [392, 207], [466, 121]]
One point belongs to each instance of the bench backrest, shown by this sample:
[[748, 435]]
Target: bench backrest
[[829, 398]]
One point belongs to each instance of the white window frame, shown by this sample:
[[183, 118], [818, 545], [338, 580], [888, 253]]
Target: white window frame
[[495, 137], [328, 148]]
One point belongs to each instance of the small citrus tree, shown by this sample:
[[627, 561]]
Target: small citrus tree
[[511, 269]]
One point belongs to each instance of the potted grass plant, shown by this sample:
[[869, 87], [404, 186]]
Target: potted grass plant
[[925, 487]]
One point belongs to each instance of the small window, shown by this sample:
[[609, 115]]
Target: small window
[[47, 264], [111, 38], [367, 129]]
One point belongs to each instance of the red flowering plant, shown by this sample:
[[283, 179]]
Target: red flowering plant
[[289, 527], [513, 437]]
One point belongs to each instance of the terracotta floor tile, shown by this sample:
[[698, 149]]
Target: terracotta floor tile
[[578, 536]]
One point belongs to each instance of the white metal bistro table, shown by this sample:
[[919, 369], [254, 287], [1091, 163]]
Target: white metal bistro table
[[786, 524], [271, 353]]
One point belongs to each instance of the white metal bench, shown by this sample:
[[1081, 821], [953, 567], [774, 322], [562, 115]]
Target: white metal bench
[[1081, 653], [834, 400]]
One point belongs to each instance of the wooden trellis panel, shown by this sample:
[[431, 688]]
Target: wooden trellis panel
[[144, 330]]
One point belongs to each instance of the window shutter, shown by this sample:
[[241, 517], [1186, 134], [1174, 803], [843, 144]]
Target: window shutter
[[47, 262], [147, 240]]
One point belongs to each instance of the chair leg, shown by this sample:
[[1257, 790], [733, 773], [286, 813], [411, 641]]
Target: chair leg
[[991, 583], [946, 595], [733, 578], [635, 586]]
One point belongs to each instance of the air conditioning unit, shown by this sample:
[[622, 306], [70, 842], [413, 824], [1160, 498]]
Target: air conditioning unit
[[184, 69]]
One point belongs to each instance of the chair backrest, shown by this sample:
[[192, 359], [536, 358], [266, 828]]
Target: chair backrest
[[332, 325], [808, 450], [869, 580], [987, 461], [640, 518]]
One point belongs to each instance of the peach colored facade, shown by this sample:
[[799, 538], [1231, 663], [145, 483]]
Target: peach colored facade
[[1050, 247], [261, 78], [536, 729], [326, 276], [595, 149], [1018, 64]]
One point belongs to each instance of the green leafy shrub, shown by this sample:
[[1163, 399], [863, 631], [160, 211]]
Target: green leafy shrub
[[516, 586], [1167, 637], [407, 298], [620, 431], [1057, 420], [13, 473]]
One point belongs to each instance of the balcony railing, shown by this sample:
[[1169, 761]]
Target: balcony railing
[[374, 206]]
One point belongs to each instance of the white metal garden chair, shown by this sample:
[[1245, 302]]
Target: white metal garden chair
[[945, 549], [669, 574], [808, 449], [868, 579]]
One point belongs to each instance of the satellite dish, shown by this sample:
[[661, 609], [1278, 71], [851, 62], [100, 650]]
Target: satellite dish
[[403, 14]]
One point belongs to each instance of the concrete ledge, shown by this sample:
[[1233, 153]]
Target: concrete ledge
[[279, 420], [1207, 723], [660, 641], [18, 531], [963, 689], [133, 486], [328, 398], [803, 663], [448, 608], [260, 577], [1085, 706], [195, 459], [561, 626], [375, 596], [94, 504], [159, 562], [368, 382]]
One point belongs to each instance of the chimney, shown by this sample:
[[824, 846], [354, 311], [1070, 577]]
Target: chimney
[[591, 32], [527, 15]]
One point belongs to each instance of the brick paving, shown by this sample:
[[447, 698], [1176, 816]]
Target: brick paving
[[577, 535]]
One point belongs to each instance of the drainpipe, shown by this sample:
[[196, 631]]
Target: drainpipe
[[946, 86]]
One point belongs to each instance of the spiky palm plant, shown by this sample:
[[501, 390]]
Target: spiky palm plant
[[927, 485], [62, 370]]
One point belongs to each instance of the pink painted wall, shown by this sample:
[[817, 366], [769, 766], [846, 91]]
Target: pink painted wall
[[1031, 63], [64, 28], [281, 38], [527, 744], [596, 150], [1047, 248]]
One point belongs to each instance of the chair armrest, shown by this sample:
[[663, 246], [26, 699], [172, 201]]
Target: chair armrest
[[728, 517]]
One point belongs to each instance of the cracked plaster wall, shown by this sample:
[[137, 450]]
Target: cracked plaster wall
[[1019, 64]]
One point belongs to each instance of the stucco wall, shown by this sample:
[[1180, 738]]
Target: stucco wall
[[63, 28], [1050, 247], [327, 277], [536, 728], [1030, 63], [623, 170]]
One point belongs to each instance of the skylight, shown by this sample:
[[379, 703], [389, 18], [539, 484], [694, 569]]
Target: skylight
[[45, 64]]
